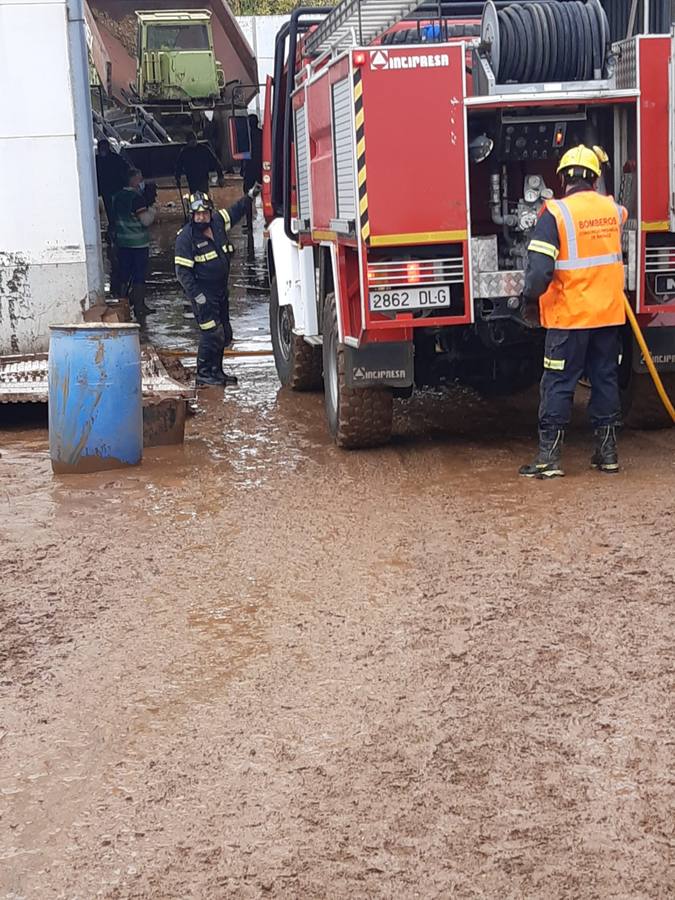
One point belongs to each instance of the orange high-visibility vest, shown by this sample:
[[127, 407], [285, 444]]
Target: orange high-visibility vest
[[587, 289]]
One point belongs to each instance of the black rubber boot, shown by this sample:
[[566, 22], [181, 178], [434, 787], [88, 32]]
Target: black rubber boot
[[222, 338], [208, 380], [547, 461], [225, 379], [137, 301], [606, 456], [206, 371]]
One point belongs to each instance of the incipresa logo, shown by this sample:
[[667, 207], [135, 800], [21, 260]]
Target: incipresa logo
[[381, 59]]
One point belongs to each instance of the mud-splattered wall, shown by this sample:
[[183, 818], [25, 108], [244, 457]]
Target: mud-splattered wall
[[43, 277]]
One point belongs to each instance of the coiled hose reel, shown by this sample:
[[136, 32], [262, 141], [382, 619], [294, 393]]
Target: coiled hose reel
[[546, 41]]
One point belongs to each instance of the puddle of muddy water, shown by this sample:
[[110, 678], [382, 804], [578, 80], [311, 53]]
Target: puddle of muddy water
[[247, 435]]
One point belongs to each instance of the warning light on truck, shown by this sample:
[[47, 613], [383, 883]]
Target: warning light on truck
[[413, 271]]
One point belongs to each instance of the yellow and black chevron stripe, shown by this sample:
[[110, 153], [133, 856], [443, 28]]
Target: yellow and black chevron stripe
[[361, 155]]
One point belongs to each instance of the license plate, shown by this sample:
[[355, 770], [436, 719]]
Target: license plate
[[402, 299], [665, 284]]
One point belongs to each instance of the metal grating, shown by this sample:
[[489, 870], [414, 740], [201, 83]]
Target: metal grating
[[343, 141], [660, 260], [415, 272], [357, 22], [24, 379], [626, 64], [302, 163]]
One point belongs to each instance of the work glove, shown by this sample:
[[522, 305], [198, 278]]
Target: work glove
[[529, 311], [255, 190]]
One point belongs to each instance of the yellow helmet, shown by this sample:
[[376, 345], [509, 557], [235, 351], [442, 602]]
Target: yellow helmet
[[580, 157]]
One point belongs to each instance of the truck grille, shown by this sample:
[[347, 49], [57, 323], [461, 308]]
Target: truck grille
[[659, 260], [425, 272]]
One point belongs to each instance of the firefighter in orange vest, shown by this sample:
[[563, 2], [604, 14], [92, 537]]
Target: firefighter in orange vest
[[574, 287]]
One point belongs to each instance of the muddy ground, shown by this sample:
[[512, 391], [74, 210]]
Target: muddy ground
[[257, 666]]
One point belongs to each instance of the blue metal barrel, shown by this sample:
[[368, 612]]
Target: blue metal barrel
[[95, 397]]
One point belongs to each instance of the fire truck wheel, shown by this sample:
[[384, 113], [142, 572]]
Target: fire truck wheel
[[298, 363], [642, 407], [357, 417]]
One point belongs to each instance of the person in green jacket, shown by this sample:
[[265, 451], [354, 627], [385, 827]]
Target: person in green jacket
[[134, 212]]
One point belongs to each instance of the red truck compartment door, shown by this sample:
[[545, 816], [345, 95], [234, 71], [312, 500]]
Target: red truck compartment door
[[415, 145]]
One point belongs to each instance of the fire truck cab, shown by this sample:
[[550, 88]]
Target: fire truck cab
[[407, 153]]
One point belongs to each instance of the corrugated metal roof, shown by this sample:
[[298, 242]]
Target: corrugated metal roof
[[24, 379]]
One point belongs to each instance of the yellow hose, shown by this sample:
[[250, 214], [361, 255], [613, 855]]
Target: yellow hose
[[658, 384], [187, 351]]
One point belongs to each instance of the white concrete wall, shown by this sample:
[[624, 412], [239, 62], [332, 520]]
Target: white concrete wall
[[261, 32], [43, 272]]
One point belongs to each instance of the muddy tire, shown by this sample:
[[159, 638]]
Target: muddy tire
[[357, 417], [299, 365], [642, 407]]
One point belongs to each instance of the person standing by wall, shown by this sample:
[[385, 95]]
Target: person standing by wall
[[111, 176], [134, 210]]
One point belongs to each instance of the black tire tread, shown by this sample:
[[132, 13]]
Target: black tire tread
[[307, 368], [364, 415], [304, 371]]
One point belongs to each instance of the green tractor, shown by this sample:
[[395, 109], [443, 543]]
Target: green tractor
[[180, 81]]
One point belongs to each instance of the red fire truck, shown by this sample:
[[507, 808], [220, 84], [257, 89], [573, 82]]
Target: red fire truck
[[407, 153]]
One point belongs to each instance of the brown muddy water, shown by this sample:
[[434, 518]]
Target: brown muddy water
[[258, 666]]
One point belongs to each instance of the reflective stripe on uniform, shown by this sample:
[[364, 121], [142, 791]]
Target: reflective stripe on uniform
[[557, 365], [568, 225], [184, 261], [226, 218], [574, 261], [544, 247], [205, 257], [207, 326], [588, 262], [228, 248]]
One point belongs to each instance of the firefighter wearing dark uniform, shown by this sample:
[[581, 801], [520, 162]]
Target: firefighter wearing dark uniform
[[574, 287], [202, 259]]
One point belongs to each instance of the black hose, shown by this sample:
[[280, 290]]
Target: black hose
[[617, 12], [549, 41]]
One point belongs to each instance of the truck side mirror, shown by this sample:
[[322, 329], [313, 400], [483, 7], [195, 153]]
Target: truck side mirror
[[240, 138]]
